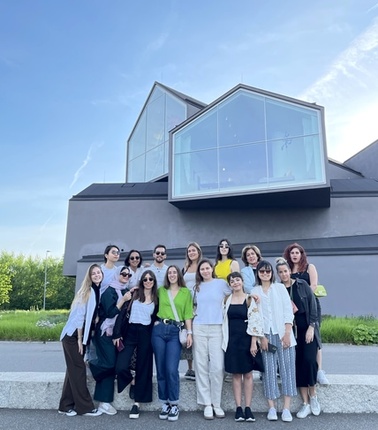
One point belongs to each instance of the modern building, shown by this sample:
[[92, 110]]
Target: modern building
[[251, 166]]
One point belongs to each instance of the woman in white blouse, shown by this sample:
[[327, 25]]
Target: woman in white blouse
[[277, 313]]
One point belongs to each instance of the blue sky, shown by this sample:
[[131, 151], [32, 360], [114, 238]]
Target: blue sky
[[74, 76]]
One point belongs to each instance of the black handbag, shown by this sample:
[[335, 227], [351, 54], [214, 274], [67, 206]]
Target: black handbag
[[258, 363]]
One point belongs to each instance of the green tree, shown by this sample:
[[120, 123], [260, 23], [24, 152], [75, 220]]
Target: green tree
[[5, 282], [28, 280]]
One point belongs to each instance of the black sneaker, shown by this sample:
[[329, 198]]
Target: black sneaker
[[165, 410], [174, 413], [249, 415], [134, 413], [239, 414]]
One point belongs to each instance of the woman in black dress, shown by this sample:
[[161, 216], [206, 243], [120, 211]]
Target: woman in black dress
[[242, 325], [307, 335]]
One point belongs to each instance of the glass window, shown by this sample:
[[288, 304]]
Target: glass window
[[155, 123], [241, 120], [151, 135], [137, 142], [155, 163], [136, 169], [246, 143]]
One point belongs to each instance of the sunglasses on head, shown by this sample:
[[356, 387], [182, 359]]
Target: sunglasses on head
[[134, 258], [159, 252], [147, 279], [265, 271], [126, 274]]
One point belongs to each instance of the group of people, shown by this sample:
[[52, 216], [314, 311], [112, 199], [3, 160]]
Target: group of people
[[218, 317]]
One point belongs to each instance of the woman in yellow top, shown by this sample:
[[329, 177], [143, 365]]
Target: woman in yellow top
[[224, 261]]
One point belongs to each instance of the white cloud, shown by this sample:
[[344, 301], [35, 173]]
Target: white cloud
[[349, 93], [84, 164]]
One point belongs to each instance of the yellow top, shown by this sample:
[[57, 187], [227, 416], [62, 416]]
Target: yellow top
[[223, 268]]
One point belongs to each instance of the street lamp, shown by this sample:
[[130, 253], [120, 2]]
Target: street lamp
[[45, 284]]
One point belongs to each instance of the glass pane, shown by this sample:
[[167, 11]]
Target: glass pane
[[286, 121], [155, 163], [241, 120], [155, 123], [135, 171], [295, 162], [195, 173], [202, 134], [175, 114], [242, 168], [137, 141], [156, 93]]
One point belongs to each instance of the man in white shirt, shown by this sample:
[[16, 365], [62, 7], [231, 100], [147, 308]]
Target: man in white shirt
[[158, 266]]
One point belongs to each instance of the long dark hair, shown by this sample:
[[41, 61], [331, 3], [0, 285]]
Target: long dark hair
[[127, 259], [230, 253], [139, 293], [107, 250], [180, 277], [303, 263]]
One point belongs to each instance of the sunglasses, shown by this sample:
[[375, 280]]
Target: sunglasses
[[160, 253], [265, 271], [125, 274], [147, 279], [224, 246], [115, 252], [134, 258]]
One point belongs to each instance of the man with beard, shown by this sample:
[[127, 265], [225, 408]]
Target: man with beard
[[158, 266]]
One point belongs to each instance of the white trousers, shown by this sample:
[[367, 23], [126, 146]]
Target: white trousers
[[208, 363]]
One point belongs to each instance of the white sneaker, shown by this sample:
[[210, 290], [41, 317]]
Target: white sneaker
[[304, 411], [69, 413], [286, 416], [219, 412], [107, 408], [322, 378], [314, 404], [272, 415], [208, 413]]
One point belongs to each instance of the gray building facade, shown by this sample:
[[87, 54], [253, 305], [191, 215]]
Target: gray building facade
[[203, 175]]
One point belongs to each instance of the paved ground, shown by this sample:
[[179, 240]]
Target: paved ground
[[42, 420], [48, 357]]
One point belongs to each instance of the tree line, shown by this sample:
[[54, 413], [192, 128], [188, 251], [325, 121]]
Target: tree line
[[22, 283]]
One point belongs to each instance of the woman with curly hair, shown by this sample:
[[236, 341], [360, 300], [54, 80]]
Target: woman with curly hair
[[296, 257]]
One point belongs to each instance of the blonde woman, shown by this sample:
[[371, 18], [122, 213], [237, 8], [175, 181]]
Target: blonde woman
[[75, 398]]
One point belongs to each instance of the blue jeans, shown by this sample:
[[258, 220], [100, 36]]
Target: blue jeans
[[167, 350]]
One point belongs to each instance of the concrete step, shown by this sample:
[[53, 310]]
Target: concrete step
[[38, 390]]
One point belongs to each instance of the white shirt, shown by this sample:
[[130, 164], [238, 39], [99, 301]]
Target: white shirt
[[159, 273], [276, 309], [141, 312], [209, 300]]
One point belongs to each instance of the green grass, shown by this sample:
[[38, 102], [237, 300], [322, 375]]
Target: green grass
[[343, 330], [47, 326], [32, 325]]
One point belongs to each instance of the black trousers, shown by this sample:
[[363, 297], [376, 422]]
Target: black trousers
[[138, 337], [103, 367], [75, 394]]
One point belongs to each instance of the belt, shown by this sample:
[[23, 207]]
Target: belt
[[172, 322]]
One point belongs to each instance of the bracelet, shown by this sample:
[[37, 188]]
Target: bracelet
[[189, 332]]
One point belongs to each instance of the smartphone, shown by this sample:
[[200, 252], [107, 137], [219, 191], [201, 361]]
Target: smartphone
[[272, 348], [120, 346]]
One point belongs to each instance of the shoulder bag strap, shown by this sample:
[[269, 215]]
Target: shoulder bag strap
[[173, 306]]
